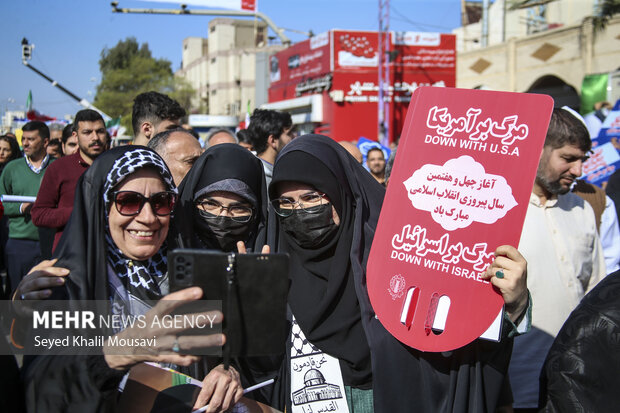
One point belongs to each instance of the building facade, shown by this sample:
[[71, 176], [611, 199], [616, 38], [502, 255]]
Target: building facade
[[548, 48], [329, 83], [228, 69], [195, 65]]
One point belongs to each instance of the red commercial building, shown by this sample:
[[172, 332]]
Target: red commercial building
[[329, 83]]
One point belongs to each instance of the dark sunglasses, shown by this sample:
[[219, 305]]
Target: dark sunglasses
[[130, 203]]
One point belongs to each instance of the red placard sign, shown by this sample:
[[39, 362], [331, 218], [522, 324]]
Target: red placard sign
[[460, 188]]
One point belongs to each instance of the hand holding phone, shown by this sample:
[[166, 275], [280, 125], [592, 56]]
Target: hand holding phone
[[253, 291]]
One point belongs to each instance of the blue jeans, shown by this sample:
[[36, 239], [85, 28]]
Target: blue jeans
[[20, 256]]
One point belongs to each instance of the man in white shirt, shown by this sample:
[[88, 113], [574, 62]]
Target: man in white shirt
[[562, 248], [594, 120]]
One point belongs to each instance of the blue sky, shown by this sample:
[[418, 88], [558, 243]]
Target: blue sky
[[69, 36]]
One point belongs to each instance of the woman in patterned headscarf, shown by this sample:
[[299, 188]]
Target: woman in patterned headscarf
[[114, 248]]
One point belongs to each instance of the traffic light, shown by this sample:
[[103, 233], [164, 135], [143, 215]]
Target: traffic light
[[26, 50]]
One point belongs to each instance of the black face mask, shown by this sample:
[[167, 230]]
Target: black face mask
[[310, 230], [222, 231]]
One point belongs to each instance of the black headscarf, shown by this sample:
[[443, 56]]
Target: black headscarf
[[225, 167], [468, 379], [231, 168], [326, 281]]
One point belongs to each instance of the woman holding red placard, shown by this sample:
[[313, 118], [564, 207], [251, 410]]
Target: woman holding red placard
[[328, 208]]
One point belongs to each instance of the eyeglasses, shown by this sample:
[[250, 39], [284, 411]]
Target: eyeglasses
[[214, 209], [130, 203], [310, 202]]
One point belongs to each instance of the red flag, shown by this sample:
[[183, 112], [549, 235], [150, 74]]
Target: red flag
[[35, 115]]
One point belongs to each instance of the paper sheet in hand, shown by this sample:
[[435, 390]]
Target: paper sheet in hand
[[150, 388]]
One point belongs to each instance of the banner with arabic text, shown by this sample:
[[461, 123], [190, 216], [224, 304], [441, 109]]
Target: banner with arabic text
[[460, 187]]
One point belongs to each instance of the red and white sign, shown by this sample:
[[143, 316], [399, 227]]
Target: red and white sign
[[424, 51], [342, 66], [304, 61], [247, 5], [459, 189], [416, 39], [355, 49], [357, 116]]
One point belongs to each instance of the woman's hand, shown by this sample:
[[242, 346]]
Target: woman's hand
[[169, 346], [37, 285], [221, 389], [243, 250], [508, 273]]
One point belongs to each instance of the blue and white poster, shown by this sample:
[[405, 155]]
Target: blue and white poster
[[605, 156]]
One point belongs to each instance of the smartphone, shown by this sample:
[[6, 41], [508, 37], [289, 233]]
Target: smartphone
[[254, 305]]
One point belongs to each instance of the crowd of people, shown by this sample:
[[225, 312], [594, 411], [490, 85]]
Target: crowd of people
[[116, 213]]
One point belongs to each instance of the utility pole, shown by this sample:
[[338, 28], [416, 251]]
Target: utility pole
[[27, 55], [485, 23], [186, 12], [383, 104]]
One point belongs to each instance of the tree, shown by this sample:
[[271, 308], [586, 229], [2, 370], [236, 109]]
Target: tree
[[129, 69], [605, 11]]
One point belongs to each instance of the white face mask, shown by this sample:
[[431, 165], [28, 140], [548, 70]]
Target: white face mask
[[605, 111]]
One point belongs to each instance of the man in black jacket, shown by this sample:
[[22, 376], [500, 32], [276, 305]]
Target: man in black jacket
[[580, 373]]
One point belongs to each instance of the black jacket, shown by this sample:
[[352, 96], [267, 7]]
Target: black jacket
[[581, 372]]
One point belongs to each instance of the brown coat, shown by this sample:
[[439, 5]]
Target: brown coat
[[595, 196]]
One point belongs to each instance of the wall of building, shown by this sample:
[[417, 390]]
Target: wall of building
[[223, 67], [558, 13], [232, 45], [568, 52], [194, 65]]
